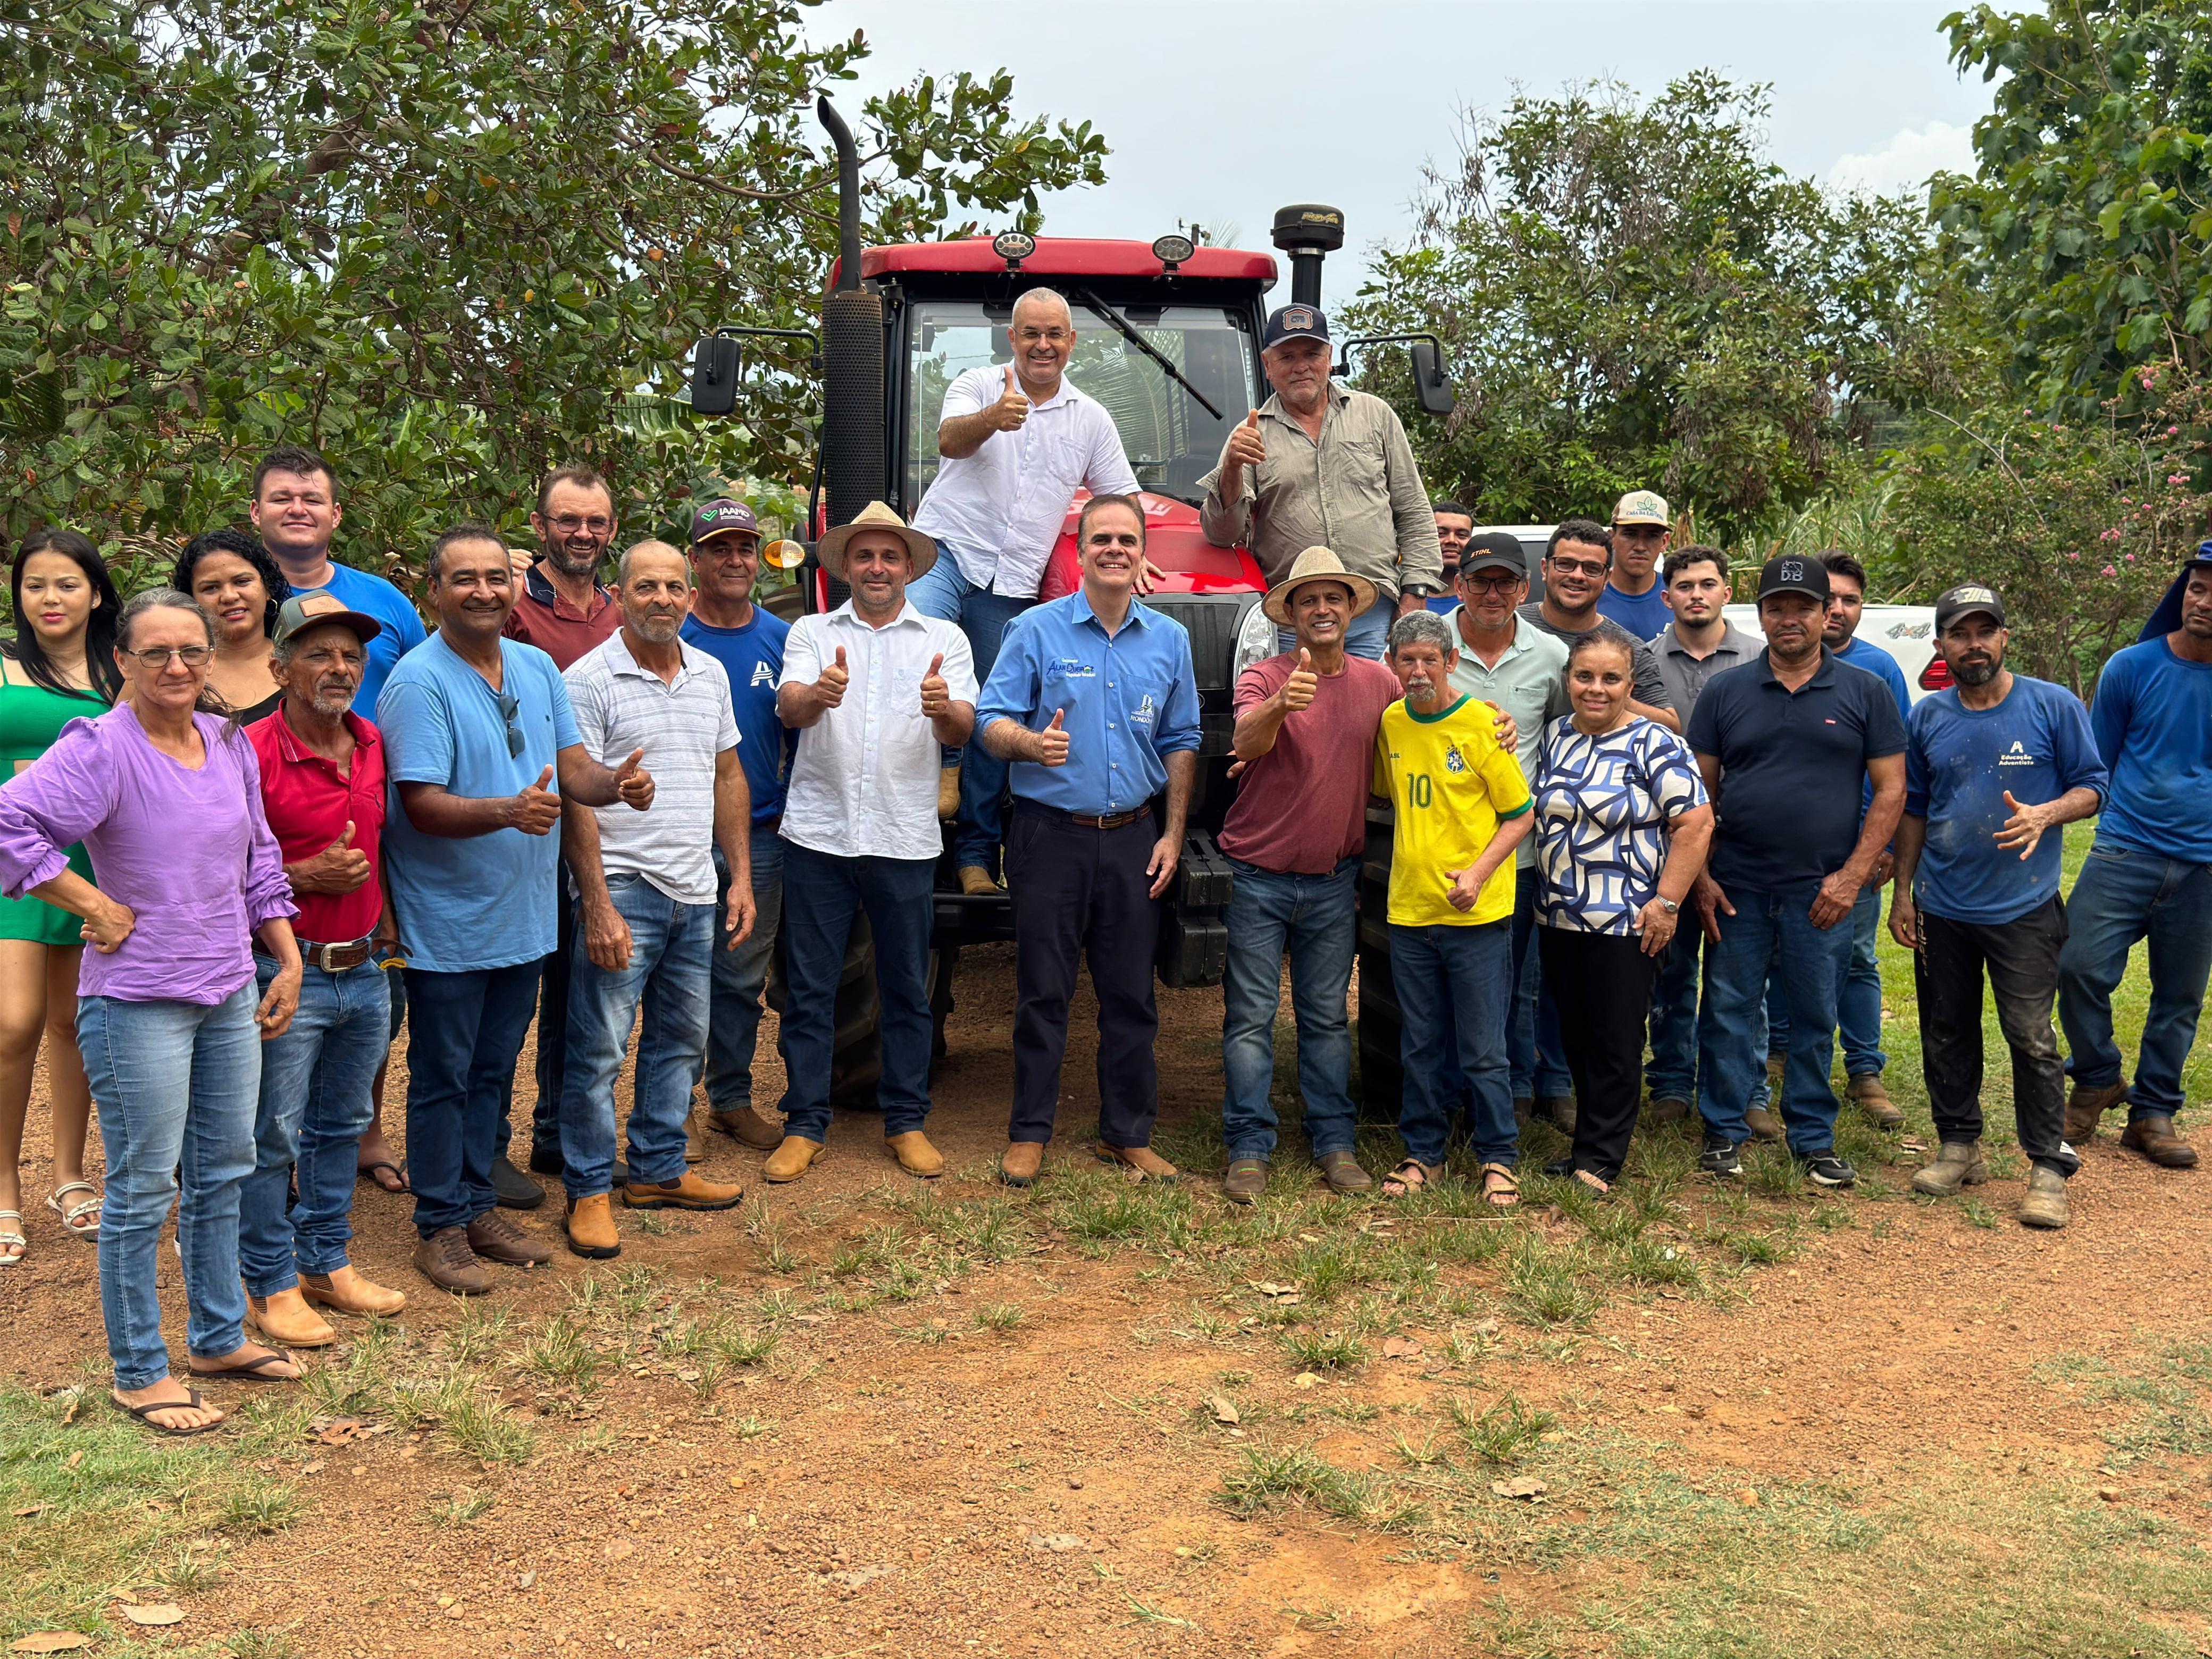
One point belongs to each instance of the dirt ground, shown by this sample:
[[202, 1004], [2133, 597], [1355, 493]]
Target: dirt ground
[[902, 1480]]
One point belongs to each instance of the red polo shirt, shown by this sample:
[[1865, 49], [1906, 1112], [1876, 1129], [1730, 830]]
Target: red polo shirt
[[543, 618], [309, 805]]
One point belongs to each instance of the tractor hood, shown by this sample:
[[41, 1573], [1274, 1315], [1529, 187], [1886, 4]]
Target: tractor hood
[[1174, 542]]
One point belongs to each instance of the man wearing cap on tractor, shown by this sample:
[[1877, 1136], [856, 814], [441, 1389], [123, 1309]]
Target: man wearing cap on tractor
[[876, 689], [1632, 597], [1317, 466], [1305, 733], [1786, 742], [322, 791], [1095, 704], [2148, 875], [1994, 766], [748, 640], [1017, 441]]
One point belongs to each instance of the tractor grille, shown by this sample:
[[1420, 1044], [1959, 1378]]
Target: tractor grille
[[1211, 622]]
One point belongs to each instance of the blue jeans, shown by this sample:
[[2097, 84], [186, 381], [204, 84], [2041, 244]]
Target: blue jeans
[[740, 976], [822, 895], [2120, 896], [1367, 636], [1532, 1047], [671, 971], [1673, 1072], [315, 1108], [1317, 918], [1858, 1004], [1772, 931], [943, 593], [1467, 968], [175, 1083], [464, 1032]]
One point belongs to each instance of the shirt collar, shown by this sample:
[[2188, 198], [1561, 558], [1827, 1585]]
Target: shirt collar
[[1338, 396], [288, 744], [539, 586], [907, 617], [621, 659], [1080, 603], [1733, 639], [1824, 675], [1520, 646]]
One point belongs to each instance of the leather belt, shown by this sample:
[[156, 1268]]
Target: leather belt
[[333, 958], [1085, 820]]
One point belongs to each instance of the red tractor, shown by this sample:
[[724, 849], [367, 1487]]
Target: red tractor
[[1168, 341]]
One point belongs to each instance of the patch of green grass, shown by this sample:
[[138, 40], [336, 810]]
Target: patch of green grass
[[1268, 1478], [1324, 1351], [478, 1330], [560, 1355], [263, 1506], [1550, 1287], [999, 1316], [476, 1423], [746, 1346], [461, 1508], [1505, 1431]]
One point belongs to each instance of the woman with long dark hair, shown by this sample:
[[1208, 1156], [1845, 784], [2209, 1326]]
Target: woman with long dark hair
[[60, 665], [230, 574]]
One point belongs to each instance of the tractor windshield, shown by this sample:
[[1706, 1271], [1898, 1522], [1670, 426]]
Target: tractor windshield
[[1170, 441]]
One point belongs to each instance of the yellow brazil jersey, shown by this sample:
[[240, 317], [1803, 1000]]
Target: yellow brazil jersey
[[1451, 784]]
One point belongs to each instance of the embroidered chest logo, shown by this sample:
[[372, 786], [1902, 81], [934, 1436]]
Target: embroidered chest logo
[[1454, 761], [762, 675], [1143, 712], [2016, 756]]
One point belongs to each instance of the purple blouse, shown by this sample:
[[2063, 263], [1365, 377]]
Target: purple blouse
[[189, 852]]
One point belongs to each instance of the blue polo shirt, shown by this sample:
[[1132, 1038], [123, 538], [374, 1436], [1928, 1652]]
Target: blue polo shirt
[[752, 656], [1644, 615], [472, 902], [374, 597], [1793, 768], [1130, 701], [2153, 718], [1959, 764]]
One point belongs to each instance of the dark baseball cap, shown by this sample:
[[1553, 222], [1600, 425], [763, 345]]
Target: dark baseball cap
[[1965, 600], [719, 517], [1494, 552], [1295, 322], [1795, 572], [304, 611]]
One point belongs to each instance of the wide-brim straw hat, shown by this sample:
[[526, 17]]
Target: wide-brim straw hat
[[830, 549], [1315, 564]]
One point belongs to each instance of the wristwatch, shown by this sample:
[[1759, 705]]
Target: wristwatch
[[1670, 906]]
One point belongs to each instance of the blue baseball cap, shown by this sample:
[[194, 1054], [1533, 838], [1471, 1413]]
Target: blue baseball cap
[[1295, 322]]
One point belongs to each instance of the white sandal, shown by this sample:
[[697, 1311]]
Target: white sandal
[[76, 1212], [12, 1235]]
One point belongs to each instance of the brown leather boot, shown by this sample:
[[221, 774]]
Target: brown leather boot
[[1019, 1164], [1246, 1179], [1138, 1163], [1958, 1164], [948, 793], [2045, 1204], [975, 881], [2154, 1137], [748, 1127], [285, 1318], [591, 1226], [689, 1191], [1874, 1100], [346, 1291], [2085, 1108], [694, 1138], [793, 1156], [446, 1261], [495, 1238], [1762, 1123], [915, 1155]]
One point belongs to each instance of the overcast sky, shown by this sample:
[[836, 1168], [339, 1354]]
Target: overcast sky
[[1221, 111]]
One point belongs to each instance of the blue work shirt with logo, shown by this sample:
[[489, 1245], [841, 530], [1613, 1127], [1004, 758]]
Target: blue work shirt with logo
[[752, 656], [1130, 700], [1959, 762]]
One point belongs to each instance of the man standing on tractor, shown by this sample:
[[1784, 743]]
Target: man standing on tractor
[[1317, 466], [1017, 441], [1094, 703]]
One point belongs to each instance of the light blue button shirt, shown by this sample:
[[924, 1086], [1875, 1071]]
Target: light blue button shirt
[[1129, 701]]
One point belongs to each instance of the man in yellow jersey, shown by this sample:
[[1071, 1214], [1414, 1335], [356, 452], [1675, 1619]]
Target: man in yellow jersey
[[1462, 807]]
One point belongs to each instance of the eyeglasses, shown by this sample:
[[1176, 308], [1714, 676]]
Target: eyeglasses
[[508, 708], [569, 523], [1585, 567], [1489, 583], [156, 658]]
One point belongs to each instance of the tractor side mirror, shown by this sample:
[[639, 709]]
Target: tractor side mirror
[[1429, 383], [714, 375]]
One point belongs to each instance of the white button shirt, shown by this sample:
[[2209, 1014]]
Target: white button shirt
[[864, 784], [1000, 511]]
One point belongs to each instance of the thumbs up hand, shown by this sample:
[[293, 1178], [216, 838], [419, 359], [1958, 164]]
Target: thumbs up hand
[[1246, 447], [1052, 742], [831, 687], [338, 868], [1299, 690], [633, 783], [1012, 408], [537, 809], [936, 695]]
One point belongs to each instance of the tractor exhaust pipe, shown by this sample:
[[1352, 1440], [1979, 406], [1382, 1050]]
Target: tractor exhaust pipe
[[1307, 231], [852, 430]]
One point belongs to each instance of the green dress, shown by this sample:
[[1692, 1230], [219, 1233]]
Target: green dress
[[31, 718]]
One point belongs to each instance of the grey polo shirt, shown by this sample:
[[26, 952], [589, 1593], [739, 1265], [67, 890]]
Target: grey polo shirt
[[1529, 684], [1686, 675]]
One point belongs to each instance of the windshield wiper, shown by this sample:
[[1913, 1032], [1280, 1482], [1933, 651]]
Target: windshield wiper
[[1122, 326]]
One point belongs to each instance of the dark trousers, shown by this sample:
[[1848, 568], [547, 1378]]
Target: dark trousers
[[465, 1031], [2021, 960], [1603, 983], [552, 1036], [822, 893], [1084, 893]]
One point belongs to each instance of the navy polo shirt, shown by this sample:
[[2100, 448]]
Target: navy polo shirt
[[1793, 766]]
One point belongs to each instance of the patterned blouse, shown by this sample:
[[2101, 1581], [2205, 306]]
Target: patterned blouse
[[1602, 808]]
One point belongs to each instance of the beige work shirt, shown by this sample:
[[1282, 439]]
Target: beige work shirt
[[1356, 492]]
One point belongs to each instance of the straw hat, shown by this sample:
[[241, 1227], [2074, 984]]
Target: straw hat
[[830, 549], [1315, 564]]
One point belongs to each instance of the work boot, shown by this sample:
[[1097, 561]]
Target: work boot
[[545, 1159], [694, 1138], [1560, 1109], [344, 1290], [747, 1126], [689, 1191], [1666, 1109], [590, 1227], [495, 1238], [1958, 1164], [1247, 1178], [1524, 1111], [2085, 1108], [948, 792], [2153, 1136], [1342, 1172], [511, 1189], [915, 1155], [446, 1261], [1777, 1062], [1138, 1163], [286, 1320], [2045, 1203], [1019, 1164], [1762, 1123], [1874, 1100], [977, 882], [793, 1156]]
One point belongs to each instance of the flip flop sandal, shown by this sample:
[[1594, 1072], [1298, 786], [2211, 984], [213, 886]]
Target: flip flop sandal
[[74, 1215], [1410, 1177], [145, 1414], [1501, 1188], [255, 1371], [12, 1235], [367, 1172]]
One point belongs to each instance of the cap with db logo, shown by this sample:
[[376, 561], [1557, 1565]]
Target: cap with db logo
[[1795, 574]]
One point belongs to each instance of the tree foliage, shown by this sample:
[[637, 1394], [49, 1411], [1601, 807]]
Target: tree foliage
[[445, 241], [1632, 295], [2090, 213]]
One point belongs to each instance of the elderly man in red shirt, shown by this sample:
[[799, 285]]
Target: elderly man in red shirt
[[323, 790]]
